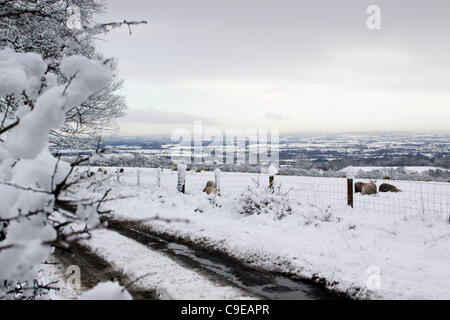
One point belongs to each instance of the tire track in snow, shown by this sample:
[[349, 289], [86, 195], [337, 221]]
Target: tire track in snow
[[94, 270], [168, 278], [269, 285]]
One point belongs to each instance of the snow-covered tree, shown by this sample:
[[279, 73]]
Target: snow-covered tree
[[44, 27], [32, 181], [94, 118]]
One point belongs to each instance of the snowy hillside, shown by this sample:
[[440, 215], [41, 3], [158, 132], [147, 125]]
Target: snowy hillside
[[367, 253]]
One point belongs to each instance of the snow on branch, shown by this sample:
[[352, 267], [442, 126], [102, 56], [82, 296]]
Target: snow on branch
[[107, 27], [31, 179]]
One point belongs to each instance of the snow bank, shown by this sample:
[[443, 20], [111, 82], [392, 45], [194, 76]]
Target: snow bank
[[106, 291]]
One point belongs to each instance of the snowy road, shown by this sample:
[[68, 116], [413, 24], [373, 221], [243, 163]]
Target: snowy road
[[154, 270], [224, 269], [93, 270]]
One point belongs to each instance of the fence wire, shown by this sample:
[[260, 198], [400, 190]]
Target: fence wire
[[415, 198]]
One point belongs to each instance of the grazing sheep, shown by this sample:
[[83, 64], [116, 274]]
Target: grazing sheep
[[386, 187], [359, 186], [369, 188], [99, 170], [211, 187], [105, 171], [198, 170], [386, 178]]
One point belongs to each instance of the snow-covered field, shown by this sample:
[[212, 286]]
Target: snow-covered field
[[366, 253]]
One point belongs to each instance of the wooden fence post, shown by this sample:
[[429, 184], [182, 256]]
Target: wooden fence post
[[271, 179], [181, 185], [350, 192], [217, 177]]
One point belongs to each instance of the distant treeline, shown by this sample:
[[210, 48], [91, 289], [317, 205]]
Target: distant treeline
[[406, 161], [301, 166]]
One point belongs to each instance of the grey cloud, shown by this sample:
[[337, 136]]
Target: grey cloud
[[155, 116], [305, 46], [264, 38]]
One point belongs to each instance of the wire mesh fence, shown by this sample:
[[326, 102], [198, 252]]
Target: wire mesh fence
[[320, 192], [415, 198]]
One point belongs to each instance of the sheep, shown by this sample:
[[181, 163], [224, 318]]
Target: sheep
[[359, 186], [211, 187], [369, 188], [385, 187]]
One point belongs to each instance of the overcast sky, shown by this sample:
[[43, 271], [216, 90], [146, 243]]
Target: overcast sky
[[292, 65]]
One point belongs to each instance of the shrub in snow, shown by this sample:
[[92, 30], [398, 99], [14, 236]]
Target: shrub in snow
[[208, 201], [32, 181], [265, 200], [316, 214]]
